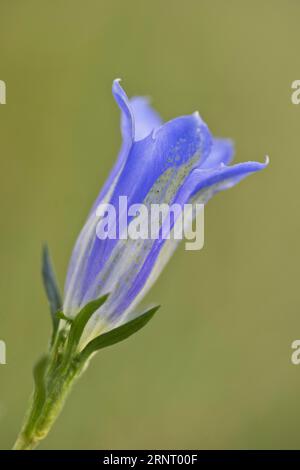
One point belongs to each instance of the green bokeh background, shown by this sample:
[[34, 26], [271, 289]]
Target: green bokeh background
[[213, 369]]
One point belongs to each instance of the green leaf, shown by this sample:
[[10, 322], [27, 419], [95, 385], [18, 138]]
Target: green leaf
[[51, 287], [80, 321], [118, 334], [40, 387], [39, 373]]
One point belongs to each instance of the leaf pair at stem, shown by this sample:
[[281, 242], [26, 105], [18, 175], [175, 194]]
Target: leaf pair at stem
[[79, 322]]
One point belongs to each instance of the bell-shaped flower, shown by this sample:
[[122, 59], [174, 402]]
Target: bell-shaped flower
[[177, 162]]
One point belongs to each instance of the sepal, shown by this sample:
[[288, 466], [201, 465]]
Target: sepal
[[51, 288], [117, 334], [79, 322]]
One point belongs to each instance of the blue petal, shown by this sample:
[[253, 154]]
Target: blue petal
[[223, 177], [85, 240], [222, 151], [172, 146], [138, 120], [202, 184], [167, 155], [127, 118], [145, 117], [127, 130]]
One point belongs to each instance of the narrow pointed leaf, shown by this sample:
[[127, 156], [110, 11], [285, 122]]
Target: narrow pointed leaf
[[51, 287], [80, 321], [39, 381], [118, 334]]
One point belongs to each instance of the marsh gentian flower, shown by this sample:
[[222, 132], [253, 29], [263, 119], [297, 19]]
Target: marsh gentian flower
[[176, 162]]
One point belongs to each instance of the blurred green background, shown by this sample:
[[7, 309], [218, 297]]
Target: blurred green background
[[213, 369]]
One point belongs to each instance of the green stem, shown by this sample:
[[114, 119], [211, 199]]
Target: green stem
[[38, 424], [54, 379]]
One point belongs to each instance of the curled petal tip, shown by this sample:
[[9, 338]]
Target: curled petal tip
[[118, 89], [115, 84]]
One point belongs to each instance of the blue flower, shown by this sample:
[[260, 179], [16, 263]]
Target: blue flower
[[174, 162]]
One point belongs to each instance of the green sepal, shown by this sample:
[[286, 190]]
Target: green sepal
[[51, 287], [39, 383], [61, 316], [79, 322], [117, 334]]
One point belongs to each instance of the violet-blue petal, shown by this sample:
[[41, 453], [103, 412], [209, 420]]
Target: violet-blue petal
[[176, 147], [145, 117], [222, 177], [200, 186], [138, 120], [222, 151], [127, 131]]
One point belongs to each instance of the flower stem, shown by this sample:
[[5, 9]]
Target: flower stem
[[54, 378], [40, 419]]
